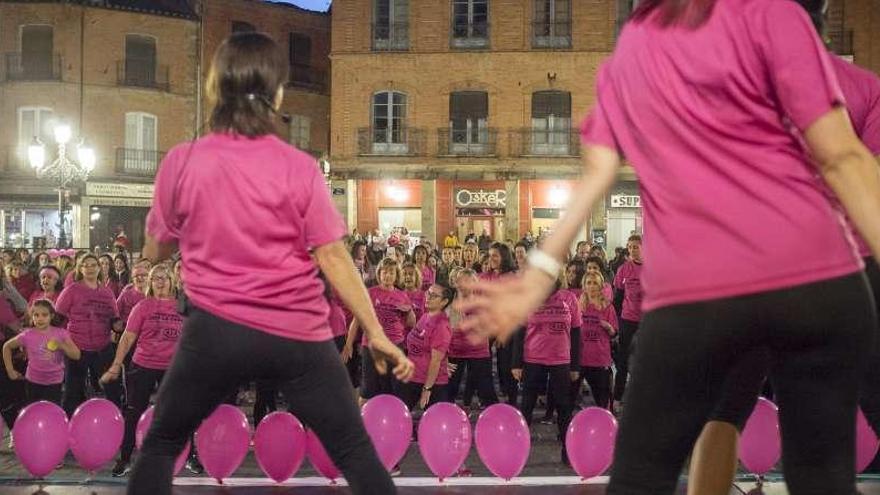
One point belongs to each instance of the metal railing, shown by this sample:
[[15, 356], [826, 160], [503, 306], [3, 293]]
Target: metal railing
[[406, 141], [136, 162], [543, 142], [555, 34], [461, 142], [142, 74], [840, 41], [307, 77], [390, 36], [33, 66], [469, 34]]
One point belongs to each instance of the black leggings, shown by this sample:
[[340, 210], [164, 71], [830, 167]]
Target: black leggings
[[869, 393], [264, 401], [36, 392], [411, 393], [213, 357], [90, 363], [479, 378], [599, 381], [628, 330], [372, 383], [504, 361], [140, 383], [817, 334], [535, 377]]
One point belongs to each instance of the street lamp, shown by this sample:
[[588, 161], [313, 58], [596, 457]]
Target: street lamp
[[63, 170]]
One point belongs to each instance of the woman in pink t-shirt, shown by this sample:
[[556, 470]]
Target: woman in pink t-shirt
[[598, 329], [548, 354], [46, 347], [108, 271], [427, 345], [395, 313], [501, 263], [89, 308], [420, 258], [152, 330], [628, 280], [470, 354], [746, 250], [50, 285], [254, 222], [412, 285]]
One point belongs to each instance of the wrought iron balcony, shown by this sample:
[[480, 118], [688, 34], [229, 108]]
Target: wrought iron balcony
[[393, 36], [547, 34], [136, 162], [307, 77], [543, 142], [461, 142], [33, 66], [142, 74], [406, 141], [464, 35]]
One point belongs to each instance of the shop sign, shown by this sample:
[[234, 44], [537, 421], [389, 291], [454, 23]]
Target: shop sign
[[625, 201], [467, 198], [117, 190]]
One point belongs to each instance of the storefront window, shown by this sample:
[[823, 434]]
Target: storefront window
[[391, 219], [113, 226], [35, 228]]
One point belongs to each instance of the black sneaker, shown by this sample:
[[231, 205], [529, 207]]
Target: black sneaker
[[121, 469], [395, 471], [563, 457], [194, 466]]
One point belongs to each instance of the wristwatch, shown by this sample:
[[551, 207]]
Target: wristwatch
[[427, 389]]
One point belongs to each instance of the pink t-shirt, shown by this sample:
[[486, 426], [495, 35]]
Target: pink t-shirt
[[337, 319], [628, 279], [157, 325], [468, 345], [573, 298], [127, 300], [861, 88], [246, 213], [70, 278], [732, 203], [429, 277], [39, 294], [548, 334], [595, 341], [90, 314], [7, 312], [417, 299], [45, 366], [432, 332], [386, 304]]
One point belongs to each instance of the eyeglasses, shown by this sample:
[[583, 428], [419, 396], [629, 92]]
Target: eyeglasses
[[434, 295]]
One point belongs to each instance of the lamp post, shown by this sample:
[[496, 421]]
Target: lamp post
[[62, 170]]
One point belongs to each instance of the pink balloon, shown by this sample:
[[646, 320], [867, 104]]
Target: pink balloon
[[319, 458], [40, 436], [590, 441], [222, 441], [280, 445], [389, 425], [503, 441], [444, 438], [760, 446], [141, 432], [96, 430], [866, 442]]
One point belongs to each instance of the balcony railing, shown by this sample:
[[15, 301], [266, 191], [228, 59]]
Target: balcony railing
[[841, 41], [462, 142], [142, 74], [33, 66], [543, 142], [141, 163], [308, 77], [392, 36], [469, 35], [547, 34], [405, 141]]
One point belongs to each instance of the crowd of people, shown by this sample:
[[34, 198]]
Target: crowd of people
[[99, 324]]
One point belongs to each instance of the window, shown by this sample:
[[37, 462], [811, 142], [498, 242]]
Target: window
[[552, 24], [551, 123], [300, 59], [389, 123], [37, 45], [468, 120], [242, 27], [140, 155], [299, 132], [470, 23], [391, 25], [33, 122], [140, 61]]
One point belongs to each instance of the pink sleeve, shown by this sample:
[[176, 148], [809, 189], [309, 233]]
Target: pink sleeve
[[620, 277], [797, 62], [136, 318], [323, 223], [871, 131], [64, 301], [611, 314], [162, 220], [113, 302], [596, 129], [442, 337]]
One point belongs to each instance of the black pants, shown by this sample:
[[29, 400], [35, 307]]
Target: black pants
[[373, 383], [869, 393], [264, 402], [213, 357], [479, 378], [13, 395], [534, 378], [93, 363], [599, 381], [817, 334], [628, 330], [36, 392], [411, 393], [140, 383], [504, 360]]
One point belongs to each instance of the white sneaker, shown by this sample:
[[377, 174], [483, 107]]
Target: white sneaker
[[11, 443]]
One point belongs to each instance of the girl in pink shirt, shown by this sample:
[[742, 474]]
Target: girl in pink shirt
[[598, 329], [428, 273], [152, 329], [628, 280], [412, 285], [50, 285], [427, 345], [108, 271], [471, 355], [501, 263], [46, 347]]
